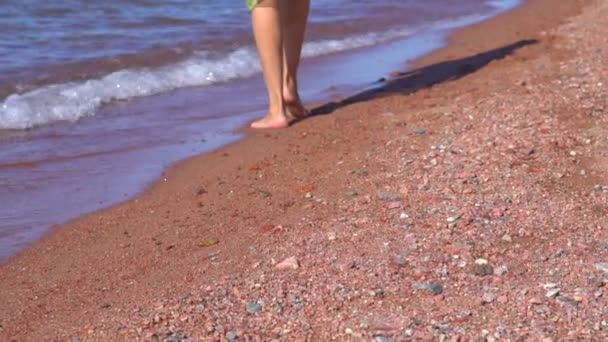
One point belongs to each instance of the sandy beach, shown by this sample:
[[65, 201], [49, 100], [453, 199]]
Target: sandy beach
[[463, 200]]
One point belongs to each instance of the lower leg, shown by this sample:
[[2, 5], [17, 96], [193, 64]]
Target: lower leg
[[266, 19], [294, 25]]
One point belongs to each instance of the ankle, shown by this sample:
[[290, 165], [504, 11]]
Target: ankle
[[277, 110], [290, 90]]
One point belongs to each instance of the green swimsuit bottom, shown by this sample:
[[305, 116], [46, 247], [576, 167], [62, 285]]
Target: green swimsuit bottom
[[251, 4]]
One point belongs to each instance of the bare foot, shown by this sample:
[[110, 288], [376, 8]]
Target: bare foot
[[271, 122], [296, 110], [294, 106]]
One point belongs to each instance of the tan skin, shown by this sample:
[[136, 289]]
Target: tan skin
[[278, 28]]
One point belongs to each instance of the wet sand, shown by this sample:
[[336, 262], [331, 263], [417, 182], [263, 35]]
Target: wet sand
[[386, 202]]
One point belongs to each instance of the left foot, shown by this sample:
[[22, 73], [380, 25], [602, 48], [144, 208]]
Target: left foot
[[271, 122]]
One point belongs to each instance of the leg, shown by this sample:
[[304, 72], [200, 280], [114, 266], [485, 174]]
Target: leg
[[294, 24], [266, 18]]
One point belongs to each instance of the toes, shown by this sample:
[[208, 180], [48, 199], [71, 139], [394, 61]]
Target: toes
[[270, 123]]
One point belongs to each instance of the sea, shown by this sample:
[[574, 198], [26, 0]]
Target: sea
[[98, 98]]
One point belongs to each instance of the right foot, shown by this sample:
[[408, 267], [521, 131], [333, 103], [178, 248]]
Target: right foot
[[297, 110], [294, 106]]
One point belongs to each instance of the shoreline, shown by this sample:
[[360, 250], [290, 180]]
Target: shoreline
[[127, 164], [152, 228]]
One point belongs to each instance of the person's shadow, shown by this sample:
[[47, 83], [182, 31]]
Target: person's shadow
[[414, 80]]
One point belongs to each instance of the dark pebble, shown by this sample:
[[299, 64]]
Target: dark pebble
[[483, 270], [434, 288], [254, 307]]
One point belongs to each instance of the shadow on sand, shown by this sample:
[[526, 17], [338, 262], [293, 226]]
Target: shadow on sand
[[414, 80]]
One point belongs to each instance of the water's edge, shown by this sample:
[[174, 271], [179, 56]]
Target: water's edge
[[319, 90]]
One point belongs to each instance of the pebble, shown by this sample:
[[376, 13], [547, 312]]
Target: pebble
[[507, 238], [550, 286], [482, 268], [399, 260], [288, 264], [263, 193], [552, 293], [231, 336], [351, 193], [602, 267], [567, 301], [381, 338], [500, 271], [199, 191], [432, 287], [488, 298], [385, 196], [419, 131], [453, 219], [254, 307], [394, 205]]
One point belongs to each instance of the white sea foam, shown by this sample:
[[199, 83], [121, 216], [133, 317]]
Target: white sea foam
[[74, 100]]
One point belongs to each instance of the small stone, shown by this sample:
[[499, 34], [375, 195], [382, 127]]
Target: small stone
[[288, 264], [254, 307], [348, 331], [453, 219], [199, 190], [507, 238], [549, 286], [500, 271], [351, 193], [482, 268], [231, 336], [419, 131], [399, 260], [105, 305], [602, 267], [488, 298], [578, 297], [331, 236], [552, 293], [381, 338], [404, 216], [434, 288], [208, 243], [384, 196], [308, 195], [567, 301], [263, 193], [394, 205]]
